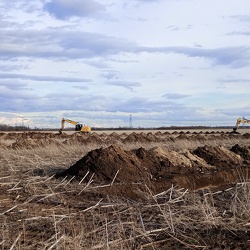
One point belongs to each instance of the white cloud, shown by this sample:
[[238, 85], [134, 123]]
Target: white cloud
[[64, 9], [124, 84], [164, 62], [42, 78]]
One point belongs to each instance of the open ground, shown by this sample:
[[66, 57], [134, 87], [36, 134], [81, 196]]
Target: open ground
[[125, 190]]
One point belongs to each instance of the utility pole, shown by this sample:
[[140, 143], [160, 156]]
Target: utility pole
[[130, 122]]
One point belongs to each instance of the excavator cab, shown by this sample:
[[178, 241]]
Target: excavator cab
[[78, 127]]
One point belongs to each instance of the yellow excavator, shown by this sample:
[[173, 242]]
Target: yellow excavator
[[239, 121], [78, 127]]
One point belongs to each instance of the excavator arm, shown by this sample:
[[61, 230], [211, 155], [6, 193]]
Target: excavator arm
[[239, 121], [67, 120]]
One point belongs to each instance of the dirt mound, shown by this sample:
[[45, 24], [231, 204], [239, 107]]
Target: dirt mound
[[198, 137], [159, 133], [246, 135], [218, 156], [104, 164], [159, 168], [197, 162], [175, 133], [115, 135], [244, 152], [92, 138], [103, 135], [123, 135], [134, 137], [16, 140], [29, 143], [166, 133], [182, 137]]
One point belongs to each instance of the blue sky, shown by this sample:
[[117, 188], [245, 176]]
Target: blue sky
[[164, 62]]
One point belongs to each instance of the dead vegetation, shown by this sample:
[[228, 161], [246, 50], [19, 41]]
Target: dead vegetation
[[80, 211]]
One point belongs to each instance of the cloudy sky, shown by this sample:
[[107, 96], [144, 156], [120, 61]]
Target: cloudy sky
[[164, 62]]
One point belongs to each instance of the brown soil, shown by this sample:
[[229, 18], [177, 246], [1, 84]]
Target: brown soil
[[190, 160], [162, 190], [160, 168]]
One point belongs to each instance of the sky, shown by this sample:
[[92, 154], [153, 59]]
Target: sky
[[110, 63]]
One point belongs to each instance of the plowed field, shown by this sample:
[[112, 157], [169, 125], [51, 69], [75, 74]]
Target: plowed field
[[126, 190]]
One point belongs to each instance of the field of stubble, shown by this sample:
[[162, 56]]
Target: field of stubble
[[126, 190]]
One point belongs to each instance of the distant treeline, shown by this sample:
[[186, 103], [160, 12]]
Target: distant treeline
[[4, 127], [193, 127]]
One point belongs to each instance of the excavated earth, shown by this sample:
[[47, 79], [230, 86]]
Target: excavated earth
[[46, 209], [159, 168], [156, 160]]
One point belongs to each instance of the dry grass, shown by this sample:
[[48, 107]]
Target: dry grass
[[40, 212]]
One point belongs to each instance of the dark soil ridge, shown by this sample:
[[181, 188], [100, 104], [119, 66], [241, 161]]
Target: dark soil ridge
[[30, 140], [160, 168]]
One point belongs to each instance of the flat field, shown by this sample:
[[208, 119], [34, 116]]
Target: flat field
[[125, 190]]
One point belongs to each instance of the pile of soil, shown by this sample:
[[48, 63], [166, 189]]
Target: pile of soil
[[160, 168], [135, 137], [33, 139], [244, 152], [218, 156]]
